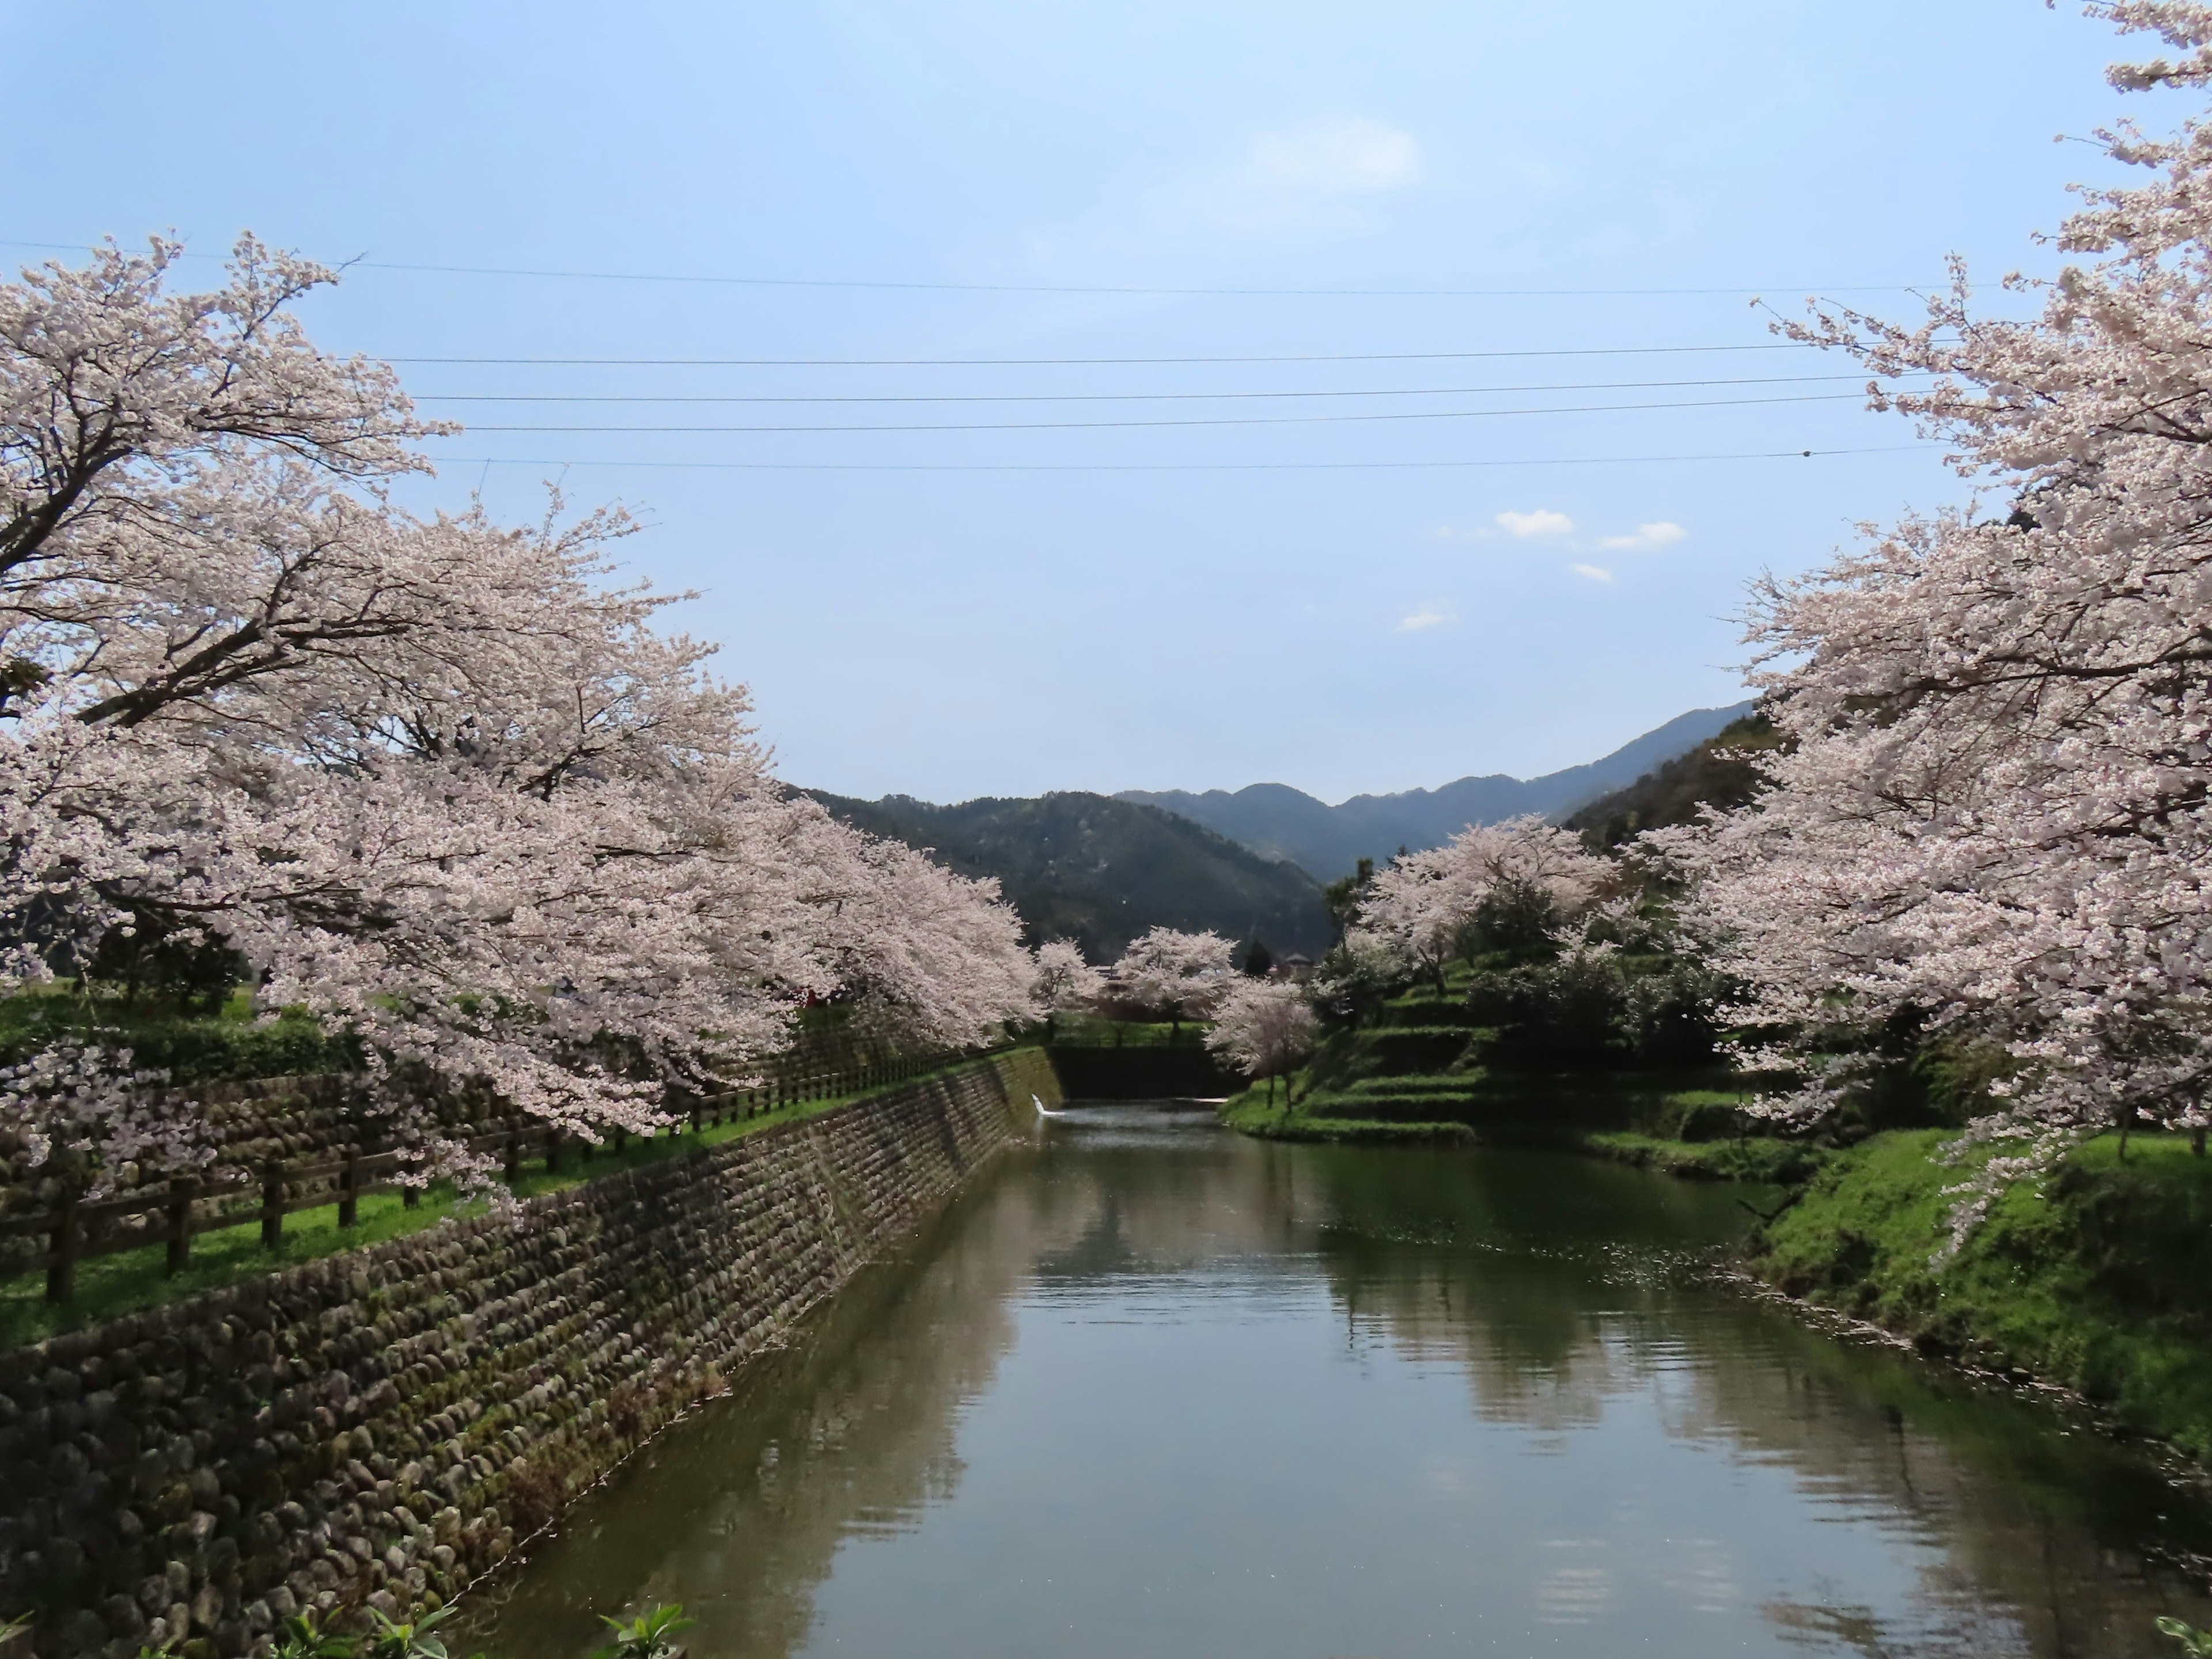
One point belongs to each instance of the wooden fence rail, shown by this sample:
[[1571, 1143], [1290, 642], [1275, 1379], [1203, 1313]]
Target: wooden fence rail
[[77, 1229]]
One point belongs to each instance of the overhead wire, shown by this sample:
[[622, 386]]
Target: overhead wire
[[1191, 421], [1183, 467], [1105, 397], [1092, 362], [1133, 289]]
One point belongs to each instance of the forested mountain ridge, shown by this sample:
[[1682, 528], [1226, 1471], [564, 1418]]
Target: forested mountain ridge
[[1100, 871], [1326, 841], [1715, 773]]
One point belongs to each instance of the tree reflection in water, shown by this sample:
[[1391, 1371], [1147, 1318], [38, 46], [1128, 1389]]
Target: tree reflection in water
[[1151, 1387]]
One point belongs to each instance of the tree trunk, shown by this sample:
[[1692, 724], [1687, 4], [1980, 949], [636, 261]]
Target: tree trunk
[[2196, 1140]]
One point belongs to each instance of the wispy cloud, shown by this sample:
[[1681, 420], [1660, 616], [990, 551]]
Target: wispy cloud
[[1591, 573], [1430, 613], [1318, 180], [1320, 175], [1647, 536], [1542, 522], [1345, 156]]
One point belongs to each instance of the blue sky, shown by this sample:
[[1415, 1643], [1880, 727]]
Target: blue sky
[[1087, 605]]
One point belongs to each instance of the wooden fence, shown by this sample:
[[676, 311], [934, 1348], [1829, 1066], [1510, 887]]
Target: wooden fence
[[77, 1229]]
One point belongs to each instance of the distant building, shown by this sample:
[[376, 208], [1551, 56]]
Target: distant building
[[1294, 966]]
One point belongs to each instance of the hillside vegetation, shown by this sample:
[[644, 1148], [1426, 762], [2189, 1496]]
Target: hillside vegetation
[[1100, 871], [1715, 772]]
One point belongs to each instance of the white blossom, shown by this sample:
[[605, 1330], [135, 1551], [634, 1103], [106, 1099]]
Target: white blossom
[[440, 782], [1064, 982], [1263, 1027], [1420, 907], [1179, 974], [1995, 811]]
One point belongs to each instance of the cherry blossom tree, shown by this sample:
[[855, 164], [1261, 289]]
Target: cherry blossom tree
[[1065, 982], [1994, 816], [1182, 975], [1264, 1028], [1421, 907], [440, 782]]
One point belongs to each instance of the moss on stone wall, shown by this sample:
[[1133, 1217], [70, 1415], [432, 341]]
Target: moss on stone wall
[[381, 1426]]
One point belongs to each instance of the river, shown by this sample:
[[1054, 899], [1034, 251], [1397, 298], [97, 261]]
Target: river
[[1149, 1388]]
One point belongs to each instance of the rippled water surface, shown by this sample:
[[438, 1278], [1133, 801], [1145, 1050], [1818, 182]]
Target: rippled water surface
[[1149, 1388]]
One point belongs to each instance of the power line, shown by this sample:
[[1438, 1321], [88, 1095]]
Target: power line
[[1084, 362], [1132, 289], [1106, 397], [1187, 466], [906, 285], [1211, 420]]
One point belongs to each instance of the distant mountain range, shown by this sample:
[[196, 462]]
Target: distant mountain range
[[1279, 822], [1100, 871]]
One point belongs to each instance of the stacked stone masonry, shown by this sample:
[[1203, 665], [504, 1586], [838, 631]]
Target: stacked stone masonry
[[380, 1427]]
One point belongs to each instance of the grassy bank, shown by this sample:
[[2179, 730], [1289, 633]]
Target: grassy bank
[[109, 1286], [2100, 1282], [1690, 1140], [1251, 1113], [1780, 1163]]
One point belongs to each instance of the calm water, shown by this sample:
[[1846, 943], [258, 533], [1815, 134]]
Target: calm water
[[1153, 1389]]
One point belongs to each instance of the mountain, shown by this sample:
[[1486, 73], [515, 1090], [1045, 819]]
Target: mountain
[[1712, 774], [1327, 841], [1100, 871]]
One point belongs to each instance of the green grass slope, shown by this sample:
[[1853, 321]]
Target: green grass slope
[[1419, 1067], [2100, 1282], [1101, 871]]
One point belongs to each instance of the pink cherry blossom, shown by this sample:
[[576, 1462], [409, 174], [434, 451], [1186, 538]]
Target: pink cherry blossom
[[1995, 813], [442, 782]]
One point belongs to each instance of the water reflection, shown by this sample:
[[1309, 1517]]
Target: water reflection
[[1151, 1389]]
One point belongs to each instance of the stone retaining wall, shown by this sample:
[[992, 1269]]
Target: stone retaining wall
[[381, 1426]]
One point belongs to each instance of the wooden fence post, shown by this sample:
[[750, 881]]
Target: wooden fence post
[[272, 1205], [411, 1196], [349, 1188], [61, 1265], [181, 1190]]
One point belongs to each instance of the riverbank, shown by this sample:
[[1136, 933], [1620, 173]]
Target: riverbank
[[132, 1281], [1776, 1163], [1695, 1134], [2100, 1282], [1750, 1158], [1254, 1113], [381, 1426]]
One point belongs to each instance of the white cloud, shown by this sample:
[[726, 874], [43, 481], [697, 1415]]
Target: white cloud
[[1542, 522], [1430, 613], [1346, 156], [1647, 536], [1324, 176], [1322, 180], [1591, 572]]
